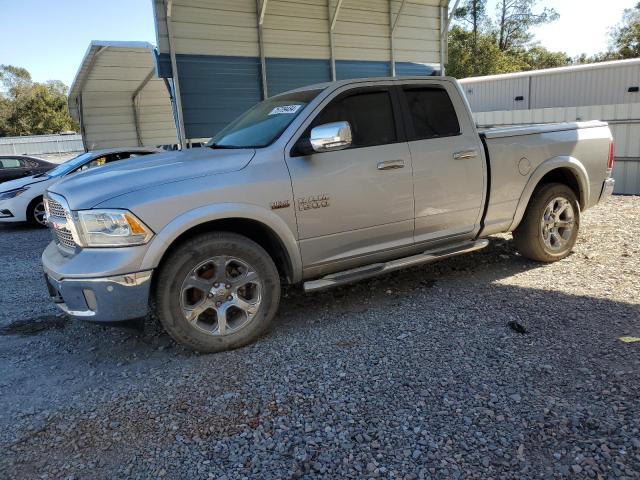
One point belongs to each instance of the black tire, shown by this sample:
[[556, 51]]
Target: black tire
[[34, 210], [169, 293], [530, 236]]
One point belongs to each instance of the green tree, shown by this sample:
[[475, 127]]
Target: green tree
[[473, 13], [31, 108], [625, 38], [13, 77], [515, 20], [486, 59], [538, 58]]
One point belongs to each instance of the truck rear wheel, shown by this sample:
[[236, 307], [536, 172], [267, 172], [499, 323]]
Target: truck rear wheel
[[550, 225], [217, 291]]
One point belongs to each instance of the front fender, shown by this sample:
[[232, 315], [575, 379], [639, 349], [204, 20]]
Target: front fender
[[572, 164], [221, 211]]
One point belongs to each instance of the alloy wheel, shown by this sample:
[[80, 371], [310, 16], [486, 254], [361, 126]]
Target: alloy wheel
[[221, 295], [557, 224]]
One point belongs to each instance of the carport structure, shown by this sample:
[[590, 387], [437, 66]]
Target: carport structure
[[223, 56], [118, 100]]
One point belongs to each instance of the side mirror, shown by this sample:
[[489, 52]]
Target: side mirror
[[331, 137]]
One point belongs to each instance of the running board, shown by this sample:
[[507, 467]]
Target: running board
[[360, 273]]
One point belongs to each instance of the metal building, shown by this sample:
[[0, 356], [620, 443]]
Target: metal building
[[606, 83], [223, 56], [118, 100], [608, 91]]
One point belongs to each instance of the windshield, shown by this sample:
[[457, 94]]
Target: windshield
[[265, 122], [70, 165]]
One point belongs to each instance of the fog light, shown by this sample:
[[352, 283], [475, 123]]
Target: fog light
[[90, 298]]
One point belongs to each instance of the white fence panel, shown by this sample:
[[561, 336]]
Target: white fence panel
[[41, 144]]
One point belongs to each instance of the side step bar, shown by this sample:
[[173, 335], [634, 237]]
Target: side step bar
[[360, 273]]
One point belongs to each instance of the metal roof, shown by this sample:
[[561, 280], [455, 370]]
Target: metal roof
[[118, 99], [95, 47]]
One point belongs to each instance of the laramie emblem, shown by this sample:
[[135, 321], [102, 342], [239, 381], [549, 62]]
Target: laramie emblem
[[279, 204], [316, 201]]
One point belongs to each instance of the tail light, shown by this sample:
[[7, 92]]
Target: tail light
[[612, 155]]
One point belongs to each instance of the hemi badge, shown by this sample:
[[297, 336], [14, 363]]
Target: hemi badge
[[280, 204]]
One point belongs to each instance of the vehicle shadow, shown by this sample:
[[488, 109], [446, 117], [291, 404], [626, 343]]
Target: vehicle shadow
[[19, 227], [471, 292]]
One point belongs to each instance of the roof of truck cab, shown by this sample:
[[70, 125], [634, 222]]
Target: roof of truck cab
[[354, 81]]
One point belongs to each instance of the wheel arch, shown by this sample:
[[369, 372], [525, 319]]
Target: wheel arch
[[565, 170], [268, 230], [31, 205]]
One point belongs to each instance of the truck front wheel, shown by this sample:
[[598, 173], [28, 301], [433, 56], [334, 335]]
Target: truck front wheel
[[550, 225], [217, 291]]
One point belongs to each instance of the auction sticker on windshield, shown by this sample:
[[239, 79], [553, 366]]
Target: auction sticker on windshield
[[286, 109]]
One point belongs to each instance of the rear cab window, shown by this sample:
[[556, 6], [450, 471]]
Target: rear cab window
[[431, 112]]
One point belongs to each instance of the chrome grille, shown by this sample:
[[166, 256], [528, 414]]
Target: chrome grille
[[65, 237], [56, 209], [59, 218]]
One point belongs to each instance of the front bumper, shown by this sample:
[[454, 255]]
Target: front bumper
[[607, 189], [107, 299], [105, 296]]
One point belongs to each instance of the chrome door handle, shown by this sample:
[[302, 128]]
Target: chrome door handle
[[465, 155], [391, 165]]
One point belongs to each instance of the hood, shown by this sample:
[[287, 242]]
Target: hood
[[21, 182], [89, 188]]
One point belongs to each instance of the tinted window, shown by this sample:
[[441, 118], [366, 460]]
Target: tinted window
[[432, 113], [370, 115], [10, 163]]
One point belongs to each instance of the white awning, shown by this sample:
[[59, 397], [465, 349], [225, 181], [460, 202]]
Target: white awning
[[118, 99]]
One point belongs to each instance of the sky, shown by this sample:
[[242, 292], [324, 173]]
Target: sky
[[50, 38], [583, 25]]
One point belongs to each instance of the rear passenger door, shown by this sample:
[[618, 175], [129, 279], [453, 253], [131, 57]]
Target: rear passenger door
[[357, 201], [448, 161]]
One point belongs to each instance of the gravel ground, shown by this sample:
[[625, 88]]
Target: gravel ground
[[412, 375]]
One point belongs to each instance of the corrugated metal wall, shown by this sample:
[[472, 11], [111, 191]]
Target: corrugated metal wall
[[218, 55], [40, 144], [498, 95], [624, 122], [598, 84]]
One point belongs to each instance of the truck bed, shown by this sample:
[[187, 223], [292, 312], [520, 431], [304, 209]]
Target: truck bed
[[515, 156], [536, 128]]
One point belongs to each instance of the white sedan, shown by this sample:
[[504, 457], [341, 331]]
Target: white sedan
[[21, 199]]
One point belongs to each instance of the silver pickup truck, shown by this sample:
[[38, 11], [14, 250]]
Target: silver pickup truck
[[320, 186]]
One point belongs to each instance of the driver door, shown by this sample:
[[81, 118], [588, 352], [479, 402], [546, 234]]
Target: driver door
[[355, 204]]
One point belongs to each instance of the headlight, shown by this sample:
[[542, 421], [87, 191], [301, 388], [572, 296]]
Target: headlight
[[13, 193], [111, 228]]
